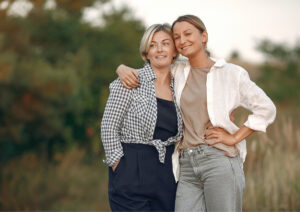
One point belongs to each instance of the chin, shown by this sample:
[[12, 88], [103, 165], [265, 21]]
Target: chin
[[189, 54], [164, 65], [186, 54]]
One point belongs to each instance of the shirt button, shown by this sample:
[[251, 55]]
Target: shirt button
[[190, 151]]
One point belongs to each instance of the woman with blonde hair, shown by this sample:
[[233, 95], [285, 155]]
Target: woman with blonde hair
[[139, 129], [213, 148]]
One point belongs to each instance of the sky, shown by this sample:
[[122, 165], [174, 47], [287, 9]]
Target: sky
[[231, 24]]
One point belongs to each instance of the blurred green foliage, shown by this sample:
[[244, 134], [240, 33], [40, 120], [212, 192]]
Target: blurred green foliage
[[54, 73], [280, 74], [54, 76]]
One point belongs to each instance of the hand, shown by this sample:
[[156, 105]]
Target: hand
[[221, 136], [128, 76], [116, 164]]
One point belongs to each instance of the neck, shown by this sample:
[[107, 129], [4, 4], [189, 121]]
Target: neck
[[201, 60], [162, 75]]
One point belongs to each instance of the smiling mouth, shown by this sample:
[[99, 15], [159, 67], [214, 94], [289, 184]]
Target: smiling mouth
[[161, 56], [185, 47]]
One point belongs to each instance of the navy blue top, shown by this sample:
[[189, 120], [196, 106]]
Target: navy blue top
[[166, 123]]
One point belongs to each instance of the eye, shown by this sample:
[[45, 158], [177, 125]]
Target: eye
[[176, 37], [166, 44]]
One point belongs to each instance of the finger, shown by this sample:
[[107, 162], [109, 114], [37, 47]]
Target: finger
[[132, 83], [213, 142], [212, 136], [135, 74], [210, 127], [127, 81], [128, 87], [134, 78], [206, 135], [125, 85], [130, 79], [210, 133]]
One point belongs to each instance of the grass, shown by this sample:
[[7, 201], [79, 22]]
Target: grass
[[68, 184], [272, 170], [73, 183]]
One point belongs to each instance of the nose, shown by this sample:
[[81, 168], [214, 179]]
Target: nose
[[182, 40], [159, 47]]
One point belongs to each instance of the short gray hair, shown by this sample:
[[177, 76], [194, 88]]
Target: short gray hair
[[148, 35]]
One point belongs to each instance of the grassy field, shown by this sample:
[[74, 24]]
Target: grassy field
[[74, 181]]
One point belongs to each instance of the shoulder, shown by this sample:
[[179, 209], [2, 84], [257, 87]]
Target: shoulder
[[144, 71], [140, 71], [178, 65], [234, 69], [117, 87], [115, 84]]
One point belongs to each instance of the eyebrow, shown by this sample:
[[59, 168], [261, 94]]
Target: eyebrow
[[183, 31], [162, 40]]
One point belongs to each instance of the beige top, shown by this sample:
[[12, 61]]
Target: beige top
[[194, 112]]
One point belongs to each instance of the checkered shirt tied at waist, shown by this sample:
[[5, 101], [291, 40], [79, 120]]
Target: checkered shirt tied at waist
[[130, 117]]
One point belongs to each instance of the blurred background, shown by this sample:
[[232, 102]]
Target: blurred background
[[57, 59]]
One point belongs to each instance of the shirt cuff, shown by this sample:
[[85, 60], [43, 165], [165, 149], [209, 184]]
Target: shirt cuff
[[256, 123], [112, 159]]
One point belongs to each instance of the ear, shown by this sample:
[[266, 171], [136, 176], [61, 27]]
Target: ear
[[204, 37], [146, 56]]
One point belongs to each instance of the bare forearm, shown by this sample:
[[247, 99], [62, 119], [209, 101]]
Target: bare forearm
[[242, 133], [128, 76]]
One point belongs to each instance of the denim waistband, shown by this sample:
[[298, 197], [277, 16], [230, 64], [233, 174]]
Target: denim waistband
[[197, 150], [141, 145]]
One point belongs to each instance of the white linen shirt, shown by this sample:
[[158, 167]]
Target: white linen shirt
[[228, 87]]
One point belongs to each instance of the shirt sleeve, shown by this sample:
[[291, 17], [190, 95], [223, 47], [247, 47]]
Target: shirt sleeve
[[254, 99], [112, 121]]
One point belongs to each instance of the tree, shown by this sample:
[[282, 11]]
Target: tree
[[280, 74], [54, 74]]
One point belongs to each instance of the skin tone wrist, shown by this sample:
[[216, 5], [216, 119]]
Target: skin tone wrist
[[242, 133], [220, 135], [128, 76], [116, 164]]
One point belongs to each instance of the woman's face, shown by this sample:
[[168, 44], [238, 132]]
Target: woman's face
[[161, 50], [189, 41]]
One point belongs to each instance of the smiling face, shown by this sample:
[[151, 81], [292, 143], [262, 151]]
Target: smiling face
[[189, 41], [161, 50]]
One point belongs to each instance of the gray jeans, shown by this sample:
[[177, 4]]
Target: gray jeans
[[209, 181]]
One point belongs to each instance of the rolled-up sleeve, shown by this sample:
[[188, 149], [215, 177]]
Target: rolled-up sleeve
[[112, 121], [254, 99]]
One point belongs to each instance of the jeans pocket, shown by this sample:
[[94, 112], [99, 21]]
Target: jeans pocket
[[212, 152], [240, 162], [238, 171]]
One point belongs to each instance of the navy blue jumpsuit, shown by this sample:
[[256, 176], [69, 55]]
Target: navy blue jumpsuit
[[141, 182]]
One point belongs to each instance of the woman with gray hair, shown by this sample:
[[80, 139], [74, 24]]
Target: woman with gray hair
[[139, 129]]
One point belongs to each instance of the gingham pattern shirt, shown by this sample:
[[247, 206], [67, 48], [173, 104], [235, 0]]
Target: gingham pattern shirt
[[130, 117]]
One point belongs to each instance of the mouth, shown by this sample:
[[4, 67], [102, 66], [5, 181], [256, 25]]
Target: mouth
[[160, 56], [185, 47]]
